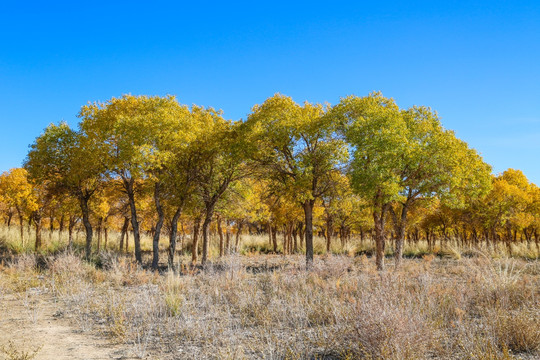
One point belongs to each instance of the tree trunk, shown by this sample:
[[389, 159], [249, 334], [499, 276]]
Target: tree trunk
[[285, 241], [228, 237], [295, 239], [128, 185], [61, 223], [195, 244], [37, 222], [269, 234], [21, 223], [378, 219], [289, 238], [206, 232], [159, 224], [274, 238], [308, 213], [220, 233], [123, 234], [9, 217], [173, 236], [106, 234], [328, 233], [127, 242], [238, 232], [400, 235], [301, 233], [100, 222], [83, 202], [508, 240], [71, 225], [51, 226]]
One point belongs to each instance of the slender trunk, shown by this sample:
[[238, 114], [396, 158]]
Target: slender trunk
[[172, 237], [100, 222], [227, 237], [37, 222], [61, 226], [127, 242], [295, 240], [71, 225], [308, 212], [61, 223], [220, 233], [509, 240], [289, 238], [302, 234], [83, 202], [285, 241], [195, 244], [21, 223], [378, 219], [105, 232], [238, 232], [269, 234], [123, 234], [206, 232], [400, 235], [157, 232], [51, 226], [328, 233], [129, 187], [274, 238]]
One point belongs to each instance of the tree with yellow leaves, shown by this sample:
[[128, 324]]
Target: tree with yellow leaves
[[130, 132], [297, 147], [17, 192]]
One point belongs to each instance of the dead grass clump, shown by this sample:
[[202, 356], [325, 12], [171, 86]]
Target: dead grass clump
[[518, 331], [13, 352], [385, 323], [271, 307]]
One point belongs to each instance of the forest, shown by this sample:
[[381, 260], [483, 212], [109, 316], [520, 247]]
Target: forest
[[361, 171], [150, 215]]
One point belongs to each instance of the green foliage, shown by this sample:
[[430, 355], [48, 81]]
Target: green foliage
[[296, 145], [406, 154], [361, 165]]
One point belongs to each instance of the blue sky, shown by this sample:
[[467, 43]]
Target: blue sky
[[476, 62]]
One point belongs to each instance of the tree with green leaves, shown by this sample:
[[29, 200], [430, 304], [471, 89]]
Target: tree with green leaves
[[404, 156], [222, 160], [297, 146], [66, 160], [130, 131]]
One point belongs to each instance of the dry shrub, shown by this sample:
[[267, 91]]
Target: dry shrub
[[518, 331], [271, 307], [22, 274], [11, 351], [385, 323]]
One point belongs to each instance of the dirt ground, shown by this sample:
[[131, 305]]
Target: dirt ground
[[35, 322]]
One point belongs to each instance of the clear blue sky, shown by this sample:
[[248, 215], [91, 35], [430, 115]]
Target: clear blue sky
[[476, 62]]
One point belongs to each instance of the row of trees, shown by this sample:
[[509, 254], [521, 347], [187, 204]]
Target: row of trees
[[363, 166]]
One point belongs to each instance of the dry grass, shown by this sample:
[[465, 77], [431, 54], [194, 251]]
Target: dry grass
[[12, 351], [269, 307]]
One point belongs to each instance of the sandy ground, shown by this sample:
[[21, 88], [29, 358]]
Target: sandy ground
[[34, 321]]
